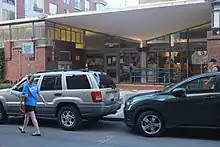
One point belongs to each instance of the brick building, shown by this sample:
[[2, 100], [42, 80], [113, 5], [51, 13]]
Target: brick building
[[16, 9]]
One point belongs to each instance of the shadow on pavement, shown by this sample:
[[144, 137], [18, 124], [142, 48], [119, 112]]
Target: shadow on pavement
[[117, 126], [206, 134], [202, 134], [86, 126]]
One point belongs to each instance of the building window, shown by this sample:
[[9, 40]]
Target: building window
[[65, 11], [66, 1], [12, 2], [38, 6], [77, 4], [39, 30], [100, 6], [65, 55], [52, 9], [22, 31], [27, 5], [8, 15], [216, 16], [4, 33], [87, 5]]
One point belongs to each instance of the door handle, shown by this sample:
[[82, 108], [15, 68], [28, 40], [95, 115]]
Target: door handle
[[57, 94]]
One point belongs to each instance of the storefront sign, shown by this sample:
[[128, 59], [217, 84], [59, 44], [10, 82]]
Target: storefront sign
[[28, 48]]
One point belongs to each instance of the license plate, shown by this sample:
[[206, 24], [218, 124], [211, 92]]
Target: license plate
[[111, 96]]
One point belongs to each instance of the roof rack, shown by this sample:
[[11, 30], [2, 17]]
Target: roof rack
[[64, 70]]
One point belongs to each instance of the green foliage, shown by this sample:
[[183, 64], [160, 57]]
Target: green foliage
[[5, 85]]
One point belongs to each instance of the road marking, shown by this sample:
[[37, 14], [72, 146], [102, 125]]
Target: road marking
[[107, 138]]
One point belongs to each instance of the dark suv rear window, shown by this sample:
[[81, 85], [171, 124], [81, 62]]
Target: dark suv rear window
[[106, 81]]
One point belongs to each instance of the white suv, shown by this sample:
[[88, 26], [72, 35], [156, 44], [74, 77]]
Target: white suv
[[71, 96]]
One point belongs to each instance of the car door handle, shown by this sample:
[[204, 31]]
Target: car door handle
[[57, 94]]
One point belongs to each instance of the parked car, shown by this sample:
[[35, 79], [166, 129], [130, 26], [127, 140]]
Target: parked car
[[71, 95], [193, 102]]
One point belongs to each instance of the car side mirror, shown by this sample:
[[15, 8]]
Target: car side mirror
[[179, 92]]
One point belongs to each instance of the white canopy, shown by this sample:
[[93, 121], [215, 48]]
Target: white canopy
[[141, 22]]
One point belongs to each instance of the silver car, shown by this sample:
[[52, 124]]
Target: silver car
[[71, 95]]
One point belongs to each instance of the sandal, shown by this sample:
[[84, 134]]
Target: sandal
[[36, 134], [21, 129]]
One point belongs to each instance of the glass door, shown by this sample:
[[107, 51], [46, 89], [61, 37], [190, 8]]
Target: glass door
[[112, 63], [128, 61]]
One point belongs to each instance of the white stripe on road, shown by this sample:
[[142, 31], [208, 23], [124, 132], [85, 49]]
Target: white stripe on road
[[105, 140]]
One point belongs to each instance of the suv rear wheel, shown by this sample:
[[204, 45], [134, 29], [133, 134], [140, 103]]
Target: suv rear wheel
[[150, 124], [3, 115], [69, 118]]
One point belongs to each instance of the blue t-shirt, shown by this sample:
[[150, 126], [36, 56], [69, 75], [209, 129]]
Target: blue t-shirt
[[32, 93]]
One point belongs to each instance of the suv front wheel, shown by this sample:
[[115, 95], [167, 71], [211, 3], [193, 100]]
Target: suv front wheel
[[150, 124], [69, 118]]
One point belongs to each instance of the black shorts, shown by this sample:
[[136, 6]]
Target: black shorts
[[29, 108]]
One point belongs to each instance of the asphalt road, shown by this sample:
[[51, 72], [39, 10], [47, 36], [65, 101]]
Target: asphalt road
[[105, 134]]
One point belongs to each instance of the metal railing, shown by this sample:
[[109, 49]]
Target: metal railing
[[161, 76]]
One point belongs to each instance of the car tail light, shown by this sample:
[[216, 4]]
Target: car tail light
[[96, 96]]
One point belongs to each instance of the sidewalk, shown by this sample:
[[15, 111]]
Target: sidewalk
[[124, 95], [133, 87]]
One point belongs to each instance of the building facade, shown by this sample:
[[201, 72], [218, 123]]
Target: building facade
[[68, 40], [17, 9], [58, 46], [55, 46]]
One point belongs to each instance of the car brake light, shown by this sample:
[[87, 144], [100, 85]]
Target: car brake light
[[96, 96]]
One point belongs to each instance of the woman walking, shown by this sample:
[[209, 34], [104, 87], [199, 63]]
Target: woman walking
[[30, 92]]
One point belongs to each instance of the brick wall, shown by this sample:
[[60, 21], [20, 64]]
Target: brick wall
[[213, 46], [16, 68]]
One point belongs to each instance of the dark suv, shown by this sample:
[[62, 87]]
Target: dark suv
[[193, 102]]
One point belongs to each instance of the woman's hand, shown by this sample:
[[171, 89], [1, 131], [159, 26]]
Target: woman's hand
[[45, 103]]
